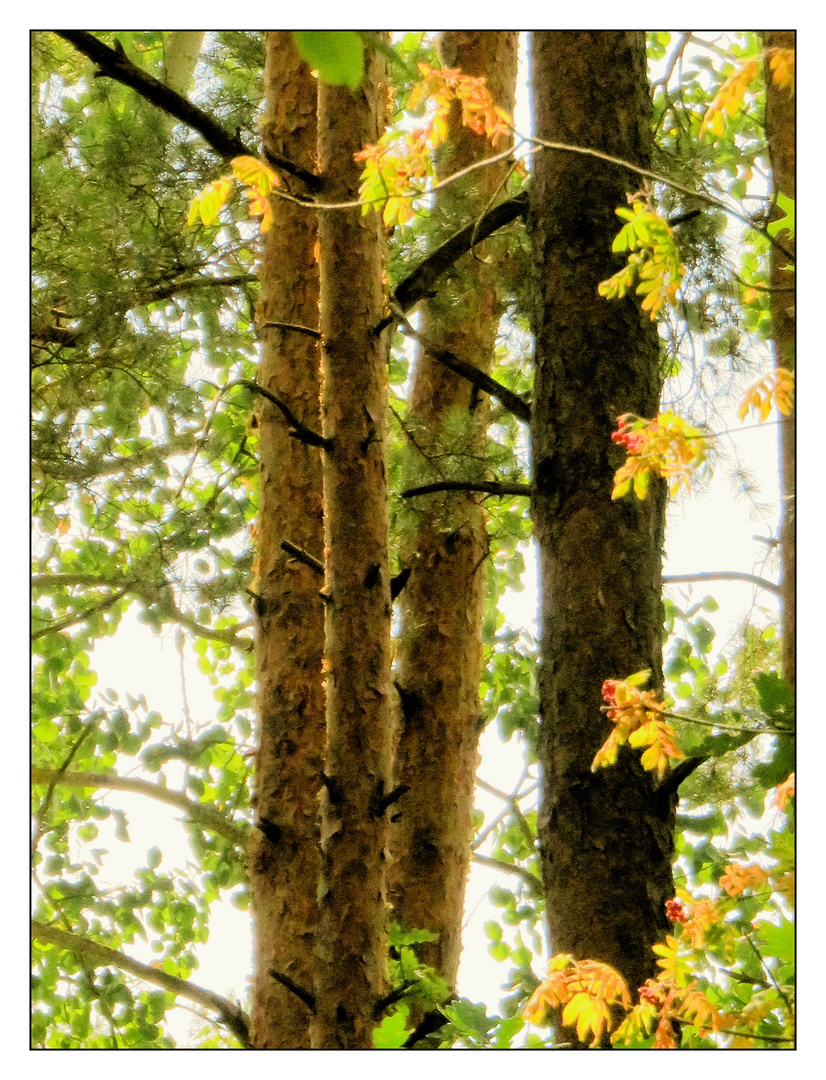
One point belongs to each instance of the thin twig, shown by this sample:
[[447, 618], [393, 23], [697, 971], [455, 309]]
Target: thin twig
[[529, 878], [723, 575], [658, 178], [59, 772]]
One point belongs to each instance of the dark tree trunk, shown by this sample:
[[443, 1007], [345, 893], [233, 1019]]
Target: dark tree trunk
[[351, 942], [606, 837], [283, 850], [780, 135], [439, 650]]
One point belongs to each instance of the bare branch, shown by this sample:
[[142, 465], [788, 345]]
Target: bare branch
[[520, 408], [530, 879], [202, 814], [99, 955], [489, 488], [298, 430], [291, 326], [302, 556], [115, 64], [422, 281], [724, 575]]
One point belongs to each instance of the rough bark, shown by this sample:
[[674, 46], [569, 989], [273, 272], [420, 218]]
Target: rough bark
[[606, 838], [439, 650], [780, 136], [350, 949], [283, 850]]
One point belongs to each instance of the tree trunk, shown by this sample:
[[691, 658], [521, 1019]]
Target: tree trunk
[[351, 949], [181, 51], [439, 651], [606, 838], [283, 858], [780, 136]]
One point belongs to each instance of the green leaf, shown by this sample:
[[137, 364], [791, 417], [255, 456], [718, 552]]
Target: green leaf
[[337, 55], [392, 1033]]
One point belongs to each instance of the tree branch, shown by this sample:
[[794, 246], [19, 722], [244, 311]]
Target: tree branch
[[299, 431], [201, 814], [702, 196], [489, 488], [72, 620], [231, 1016], [422, 281], [43, 582], [115, 64], [303, 556], [520, 408], [530, 879], [99, 465], [724, 575]]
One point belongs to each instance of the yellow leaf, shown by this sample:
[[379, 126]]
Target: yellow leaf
[[255, 174], [588, 1015]]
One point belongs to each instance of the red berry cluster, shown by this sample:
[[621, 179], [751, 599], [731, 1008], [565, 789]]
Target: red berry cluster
[[674, 911], [649, 995], [629, 439], [609, 690]]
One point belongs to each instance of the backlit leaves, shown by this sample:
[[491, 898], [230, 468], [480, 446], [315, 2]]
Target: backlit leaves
[[637, 718], [585, 990], [398, 168], [776, 388], [654, 260], [259, 180], [666, 446]]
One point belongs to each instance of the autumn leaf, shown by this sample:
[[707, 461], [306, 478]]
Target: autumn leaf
[[730, 97], [781, 65], [208, 202], [776, 388]]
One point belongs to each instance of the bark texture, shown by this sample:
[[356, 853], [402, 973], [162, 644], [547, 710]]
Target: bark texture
[[606, 838], [781, 135], [439, 651], [283, 850], [350, 950]]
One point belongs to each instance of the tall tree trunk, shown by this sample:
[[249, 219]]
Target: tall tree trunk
[[351, 950], [780, 136], [439, 650], [181, 51], [606, 837], [283, 858]]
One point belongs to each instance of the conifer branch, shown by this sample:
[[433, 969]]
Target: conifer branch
[[303, 556], [422, 281]]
